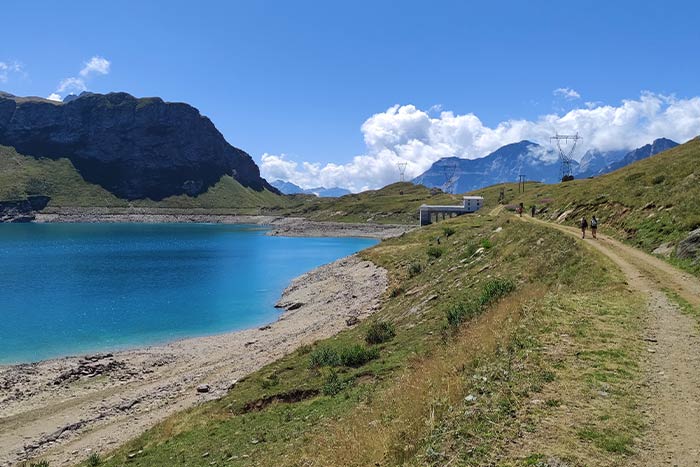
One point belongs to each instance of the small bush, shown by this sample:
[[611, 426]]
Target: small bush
[[324, 357], [270, 381], [495, 289], [380, 332], [435, 252], [415, 268], [333, 384], [396, 291], [304, 349], [357, 355], [459, 313], [94, 460], [492, 291], [658, 179], [448, 231], [486, 244]]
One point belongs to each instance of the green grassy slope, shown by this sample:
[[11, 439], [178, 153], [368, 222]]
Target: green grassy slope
[[648, 203], [459, 332], [22, 175], [396, 203]]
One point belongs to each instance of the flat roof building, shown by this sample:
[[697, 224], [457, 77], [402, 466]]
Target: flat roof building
[[469, 204]]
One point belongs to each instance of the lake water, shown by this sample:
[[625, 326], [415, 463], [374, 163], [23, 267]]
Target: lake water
[[72, 288]]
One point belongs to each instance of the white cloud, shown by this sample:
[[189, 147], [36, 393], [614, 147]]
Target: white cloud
[[96, 64], [54, 97], [6, 68], [408, 134], [71, 85], [567, 93]]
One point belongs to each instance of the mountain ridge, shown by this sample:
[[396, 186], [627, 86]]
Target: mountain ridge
[[136, 148]]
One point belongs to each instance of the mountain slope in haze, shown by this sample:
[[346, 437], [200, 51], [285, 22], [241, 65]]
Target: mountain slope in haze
[[134, 148], [595, 162], [648, 150], [289, 188], [503, 165]]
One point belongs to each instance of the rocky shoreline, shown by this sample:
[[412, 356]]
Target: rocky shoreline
[[280, 226], [64, 409]]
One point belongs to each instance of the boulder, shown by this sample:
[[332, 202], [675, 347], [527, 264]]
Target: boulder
[[689, 248]]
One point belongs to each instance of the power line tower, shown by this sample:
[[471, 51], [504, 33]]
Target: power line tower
[[566, 145], [402, 169]]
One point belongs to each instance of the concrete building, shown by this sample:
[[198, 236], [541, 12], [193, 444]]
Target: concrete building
[[470, 204]]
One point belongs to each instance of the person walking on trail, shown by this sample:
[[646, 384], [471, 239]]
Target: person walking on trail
[[521, 209], [594, 226], [584, 226], [533, 210]]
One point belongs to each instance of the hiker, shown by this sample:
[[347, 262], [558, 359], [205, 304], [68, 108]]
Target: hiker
[[521, 209], [594, 226], [533, 210], [584, 225]]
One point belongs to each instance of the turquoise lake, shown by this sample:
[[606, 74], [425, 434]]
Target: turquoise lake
[[67, 289]]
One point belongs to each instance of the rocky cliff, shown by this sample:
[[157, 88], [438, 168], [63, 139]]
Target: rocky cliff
[[135, 148]]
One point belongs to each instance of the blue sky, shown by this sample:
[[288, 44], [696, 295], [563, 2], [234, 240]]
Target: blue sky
[[297, 80]]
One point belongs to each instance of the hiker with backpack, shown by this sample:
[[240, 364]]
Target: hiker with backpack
[[594, 226], [584, 226]]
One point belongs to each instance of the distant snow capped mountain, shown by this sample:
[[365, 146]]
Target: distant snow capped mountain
[[648, 150], [530, 159], [595, 161], [503, 165], [289, 188]]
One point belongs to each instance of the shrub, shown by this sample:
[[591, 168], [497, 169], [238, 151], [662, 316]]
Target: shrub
[[94, 460], [415, 268], [486, 243], [435, 252], [396, 291], [324, 357], [380, 332], [448, 231], [357, 355], [495, 289], [492, 291], [333, 384], [270, 381], [658, 179], [459, 313]]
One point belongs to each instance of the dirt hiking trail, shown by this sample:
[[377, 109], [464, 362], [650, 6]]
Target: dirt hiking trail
[[672, 383]]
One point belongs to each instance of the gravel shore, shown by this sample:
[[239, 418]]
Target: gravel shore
[[64, 409], [280, 226]]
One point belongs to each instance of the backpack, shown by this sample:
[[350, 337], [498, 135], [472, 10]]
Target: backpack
[[594, 223]]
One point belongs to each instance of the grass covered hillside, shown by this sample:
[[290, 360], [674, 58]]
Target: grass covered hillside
[[651, 203], [396, 203], [464, 364], [22, 176]]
